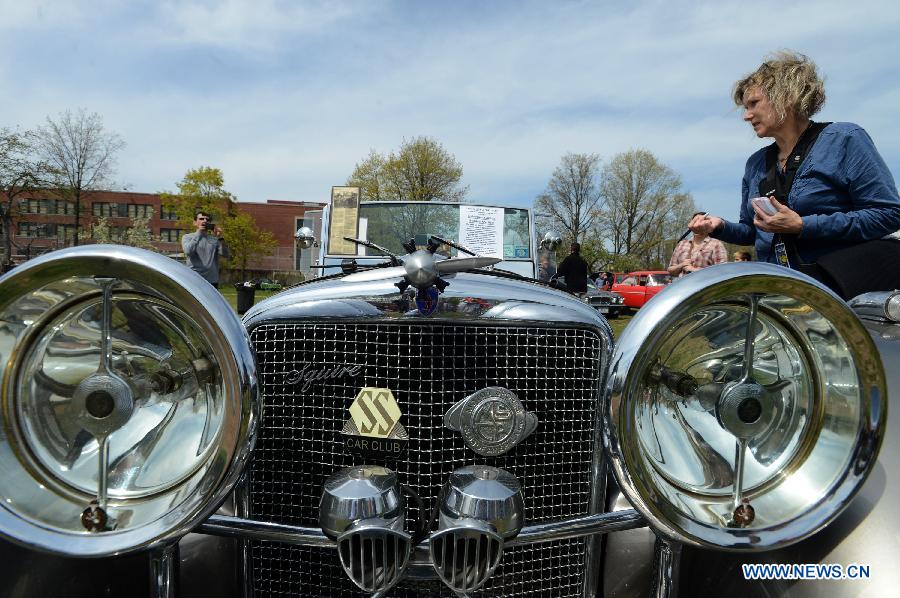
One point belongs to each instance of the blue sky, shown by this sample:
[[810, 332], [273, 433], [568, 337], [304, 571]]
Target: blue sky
[[285, 97]]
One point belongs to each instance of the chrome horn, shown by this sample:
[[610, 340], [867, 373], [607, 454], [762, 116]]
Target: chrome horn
[[481, 508], [362, 508]]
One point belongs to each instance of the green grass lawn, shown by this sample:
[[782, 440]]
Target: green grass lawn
[[618, 324], [230, 294]]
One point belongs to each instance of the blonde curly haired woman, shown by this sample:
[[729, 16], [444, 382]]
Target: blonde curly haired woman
[[827, 185]]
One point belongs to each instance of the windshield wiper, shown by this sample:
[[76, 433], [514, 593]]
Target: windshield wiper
[[452, 244], [395, 261]]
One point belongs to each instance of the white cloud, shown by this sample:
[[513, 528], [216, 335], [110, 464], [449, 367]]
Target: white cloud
[[243, 25], [307, 89]]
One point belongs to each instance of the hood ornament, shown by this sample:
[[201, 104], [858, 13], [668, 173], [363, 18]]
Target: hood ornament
[[492, 421], [421, 269]]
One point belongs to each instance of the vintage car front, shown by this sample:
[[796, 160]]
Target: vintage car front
[[608, 303], [425, 428]]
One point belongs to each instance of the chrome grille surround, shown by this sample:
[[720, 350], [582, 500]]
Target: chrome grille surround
[[556, 370]]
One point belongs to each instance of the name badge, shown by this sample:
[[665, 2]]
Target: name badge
[[781, 255]]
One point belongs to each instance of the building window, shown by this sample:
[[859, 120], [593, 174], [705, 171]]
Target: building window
[[168, 213], [31, 229], [47, 206], [41, 230], [139, 210], [64, 232], [170, 235], [33, 206], [100, 208]]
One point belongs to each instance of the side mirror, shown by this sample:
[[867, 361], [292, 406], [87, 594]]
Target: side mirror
[[305, 237]]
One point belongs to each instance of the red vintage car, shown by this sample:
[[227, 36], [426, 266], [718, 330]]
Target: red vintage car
[[638, 287]]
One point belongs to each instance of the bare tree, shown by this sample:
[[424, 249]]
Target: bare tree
[[20, 174], [572, 198], [644, 205], [422, 170], [80, 155]]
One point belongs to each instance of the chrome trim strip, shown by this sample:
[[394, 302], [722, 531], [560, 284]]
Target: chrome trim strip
[[242, 510], [237, 527], [601, 523], [666, 564], [164, 571]]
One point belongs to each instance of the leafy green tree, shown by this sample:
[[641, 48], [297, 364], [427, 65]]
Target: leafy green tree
[[20, 174], [201, 189], [245, 240], [80, 156], [644, 206], [100, 232], [422, 170], [139, 234]]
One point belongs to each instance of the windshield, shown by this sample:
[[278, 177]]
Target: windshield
[[503, 232]]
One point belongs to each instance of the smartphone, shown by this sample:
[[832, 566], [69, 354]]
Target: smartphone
[[764, 204]]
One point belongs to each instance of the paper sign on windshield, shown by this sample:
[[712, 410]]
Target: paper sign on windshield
[[481, 229]]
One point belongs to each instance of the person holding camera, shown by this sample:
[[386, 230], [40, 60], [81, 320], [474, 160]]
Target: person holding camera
[[203, 248], [818, 191]]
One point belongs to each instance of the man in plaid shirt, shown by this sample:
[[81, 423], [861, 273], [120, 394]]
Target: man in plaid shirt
[[695, 253]]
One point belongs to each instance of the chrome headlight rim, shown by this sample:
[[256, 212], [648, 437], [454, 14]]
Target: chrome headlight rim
[[157, 278], [647, 329]]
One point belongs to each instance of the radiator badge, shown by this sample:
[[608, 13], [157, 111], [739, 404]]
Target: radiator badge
[[492, 421], [307, 374], [374, 428]]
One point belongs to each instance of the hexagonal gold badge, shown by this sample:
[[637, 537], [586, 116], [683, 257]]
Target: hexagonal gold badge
[[375, 413]]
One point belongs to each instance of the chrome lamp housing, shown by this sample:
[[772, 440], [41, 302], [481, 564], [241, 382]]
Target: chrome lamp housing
[[129, 401], [480, 509], [363, 509], [746, 408]]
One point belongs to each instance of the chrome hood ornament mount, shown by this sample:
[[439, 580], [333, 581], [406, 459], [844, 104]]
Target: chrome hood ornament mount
[[492, 421], [422, 270]]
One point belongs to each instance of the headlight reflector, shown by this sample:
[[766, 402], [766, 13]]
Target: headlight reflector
[[725, 442], [129, 400]]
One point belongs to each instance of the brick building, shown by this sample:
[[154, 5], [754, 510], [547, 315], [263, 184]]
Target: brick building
[[43, 224]]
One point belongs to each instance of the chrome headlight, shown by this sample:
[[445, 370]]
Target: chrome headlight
[[882, 305], [128, 400], [747, 406]]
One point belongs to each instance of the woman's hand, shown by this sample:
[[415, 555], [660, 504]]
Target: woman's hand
[[703, 224], [785, 220]]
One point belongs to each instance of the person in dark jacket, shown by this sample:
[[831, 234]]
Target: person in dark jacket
[[575, 269]]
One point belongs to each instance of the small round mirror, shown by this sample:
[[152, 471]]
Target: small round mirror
[[551, 240], [305, 237]]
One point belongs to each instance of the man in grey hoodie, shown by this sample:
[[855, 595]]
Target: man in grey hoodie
[[203, 248]]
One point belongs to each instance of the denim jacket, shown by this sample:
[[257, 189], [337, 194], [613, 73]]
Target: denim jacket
[[843, 191]]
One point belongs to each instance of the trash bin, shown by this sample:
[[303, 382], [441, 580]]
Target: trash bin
[[245, 296]]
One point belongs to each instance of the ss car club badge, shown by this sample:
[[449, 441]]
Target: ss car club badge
[[374, 428], [492, 421]]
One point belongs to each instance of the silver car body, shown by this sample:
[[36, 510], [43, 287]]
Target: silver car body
[[633, 561]]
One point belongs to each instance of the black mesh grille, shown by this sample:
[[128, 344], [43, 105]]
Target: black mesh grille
[[555, 372]]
